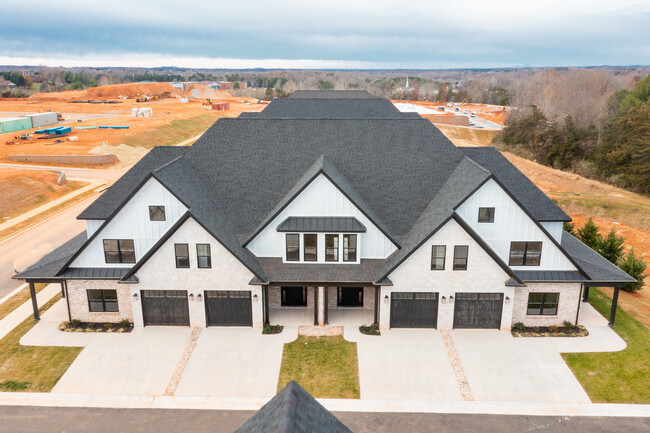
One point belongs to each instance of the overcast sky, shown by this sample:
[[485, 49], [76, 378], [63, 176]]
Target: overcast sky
[[334, 34]]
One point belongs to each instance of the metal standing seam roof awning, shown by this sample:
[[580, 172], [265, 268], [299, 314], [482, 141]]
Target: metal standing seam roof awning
[[322, 224]]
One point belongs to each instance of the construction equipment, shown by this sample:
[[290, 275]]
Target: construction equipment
[[59, 117], [208, 101], [147, 98]]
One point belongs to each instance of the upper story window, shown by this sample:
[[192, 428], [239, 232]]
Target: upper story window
[[119, 251], [156, 213], [182, 252], [349, 248], [460, 257], [486, 214], [293, 247], [525, 253], [310, 248], [331, 248], [438, 257], [203, 257]]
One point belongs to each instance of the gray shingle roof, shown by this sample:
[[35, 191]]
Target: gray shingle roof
[[597, 268], [332, 109], [321, 225], [51, 263], [293, 410], [331, 94], [278, 272], [526, 192]]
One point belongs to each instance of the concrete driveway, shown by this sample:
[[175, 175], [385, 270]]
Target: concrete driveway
[[235, 362], [404, 364]]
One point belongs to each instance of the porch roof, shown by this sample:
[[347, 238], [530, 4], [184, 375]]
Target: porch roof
[[278, 272]]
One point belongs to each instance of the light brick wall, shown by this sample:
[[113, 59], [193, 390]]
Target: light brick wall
[[415, 275], [368, 298], [275, 297], [78, 299], [567, 306]]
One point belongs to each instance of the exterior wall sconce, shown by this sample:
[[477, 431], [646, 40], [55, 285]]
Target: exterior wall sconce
[[199, 298], [451, 299], [135, 296], [444, 300], [386, 298], [507, 299], [255, 297], [191, 296]]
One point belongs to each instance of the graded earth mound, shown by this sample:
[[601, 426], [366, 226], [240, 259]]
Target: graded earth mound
[[202, 91], [114, 91]]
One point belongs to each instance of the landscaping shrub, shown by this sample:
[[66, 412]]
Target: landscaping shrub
[[272, 329], [568, 325], [634, 267], [369, 330], [519, 326]]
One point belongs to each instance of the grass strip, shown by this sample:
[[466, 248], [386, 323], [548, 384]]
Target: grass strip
[[18, 299]]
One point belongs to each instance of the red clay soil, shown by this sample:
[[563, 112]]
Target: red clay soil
[[129, 90]]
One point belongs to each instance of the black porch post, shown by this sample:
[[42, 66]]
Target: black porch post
[[585, 294], [265, 295], [612, 312], [376, 305], [325, 319], [32, 292], [64, 287], [315, 306]]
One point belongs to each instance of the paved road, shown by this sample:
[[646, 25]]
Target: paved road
[[73, 173], [28, 247], [28, 419]]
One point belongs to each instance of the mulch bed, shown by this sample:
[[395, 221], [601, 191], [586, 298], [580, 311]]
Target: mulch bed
[[546, 331], [272, 329], [369, 330], [77, 326]]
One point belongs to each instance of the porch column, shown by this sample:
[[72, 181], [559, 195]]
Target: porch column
[[376, 306], [315, 306], [321, 305], [32, 293], [585, 295], [612, 312], [265, 295]]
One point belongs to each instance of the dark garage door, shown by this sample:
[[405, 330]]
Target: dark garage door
[[413, 310], [228, 308], [165, 307], [478, 310]]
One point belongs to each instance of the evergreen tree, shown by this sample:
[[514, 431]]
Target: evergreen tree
[[589, 235], [569, 228], [612, 247], [634, 267]]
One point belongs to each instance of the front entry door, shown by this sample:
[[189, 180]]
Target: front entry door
[[294, 296], [350, 297]]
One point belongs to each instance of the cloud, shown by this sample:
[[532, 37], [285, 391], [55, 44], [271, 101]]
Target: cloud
[[416, 34]]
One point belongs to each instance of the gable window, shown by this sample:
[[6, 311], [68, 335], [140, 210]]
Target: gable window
[[438, 257], [102, 301], [156, 213], [486, 214], [119, 251], [349, 248], [293, 247], [525, 253], [331, 248], [543, 304], [203, 257], [310, 253], [460, 257], [182, 252]]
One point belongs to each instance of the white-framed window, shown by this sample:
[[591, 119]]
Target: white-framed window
[[330, 248]]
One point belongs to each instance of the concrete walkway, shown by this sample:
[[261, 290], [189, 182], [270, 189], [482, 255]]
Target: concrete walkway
[[24, 311]]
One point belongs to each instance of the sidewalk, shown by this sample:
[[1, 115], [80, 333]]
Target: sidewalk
[[21, 313]]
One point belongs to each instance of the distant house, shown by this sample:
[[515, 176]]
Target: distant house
[[324, 203], [4, 83]]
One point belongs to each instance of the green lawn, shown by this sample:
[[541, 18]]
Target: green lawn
[[615, 377], [327, 367], [32, 368], [174, 133], [17, 300]]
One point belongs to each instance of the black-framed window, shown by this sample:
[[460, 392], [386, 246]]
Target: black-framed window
[[182, 252], [543, 304], [349, 248], [460, 257], [310, 247], [331, 248], [293, 247], [101, 301], [119, 251], [525, 253], [486, 214], [156, 213], [438, 257], [203, 257]]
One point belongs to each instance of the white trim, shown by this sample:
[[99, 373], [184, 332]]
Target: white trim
[[320, 248]]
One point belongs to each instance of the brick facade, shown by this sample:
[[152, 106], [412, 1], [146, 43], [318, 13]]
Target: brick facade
[[567, 305], [78, 299]]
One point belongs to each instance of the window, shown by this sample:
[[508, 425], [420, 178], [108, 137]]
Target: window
[[102, 301], [119, 251], [156, 213], [438, 257], [203, 258], [310, 247], [543, 304], [182, 252], [349, 248], [486, 214], [460, 257], [525, 253], [293, 247], [331, 248]]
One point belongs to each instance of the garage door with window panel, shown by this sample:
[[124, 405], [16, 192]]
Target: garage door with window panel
[[228, 308], [478, 310], [165, 307], [414, 310]]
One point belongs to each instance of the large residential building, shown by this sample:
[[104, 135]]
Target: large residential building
[[323, 204]]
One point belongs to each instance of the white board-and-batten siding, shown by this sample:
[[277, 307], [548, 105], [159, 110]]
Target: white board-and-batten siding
[[132, 222], [511, 223], [321, 198]]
